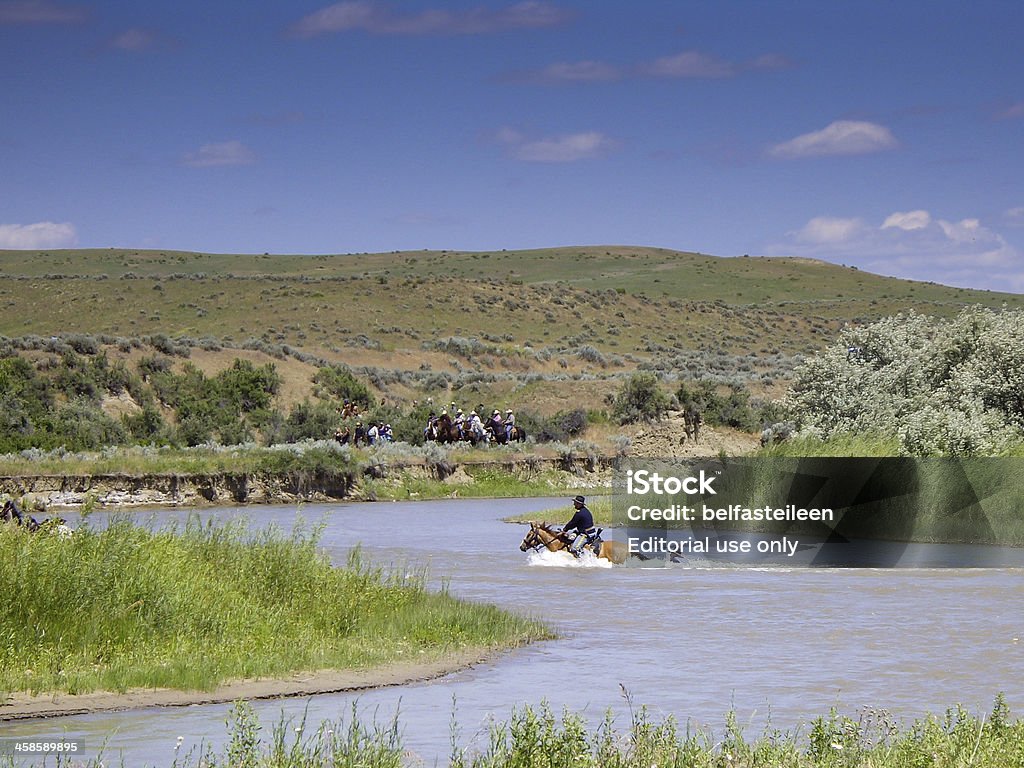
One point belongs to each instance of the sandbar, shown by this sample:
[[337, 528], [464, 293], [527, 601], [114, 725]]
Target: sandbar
[[23, 706]]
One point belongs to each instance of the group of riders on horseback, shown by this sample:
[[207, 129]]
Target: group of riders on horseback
[[457, 427], [452, 425]]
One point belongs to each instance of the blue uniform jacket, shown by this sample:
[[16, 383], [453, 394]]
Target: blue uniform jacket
[[582, 521]]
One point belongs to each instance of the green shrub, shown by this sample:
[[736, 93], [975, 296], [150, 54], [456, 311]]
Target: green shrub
[[338, 382], [316, 421], [735, 409], [560, 427], [81, 426], [75, 379], [942, 387], [146, 426], [26, 406], [640, 399], [408, 427]]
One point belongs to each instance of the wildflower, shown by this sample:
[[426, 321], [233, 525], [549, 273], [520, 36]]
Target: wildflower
[[837, 746]]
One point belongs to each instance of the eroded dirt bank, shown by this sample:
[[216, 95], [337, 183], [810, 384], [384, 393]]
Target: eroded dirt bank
[[221, 488]]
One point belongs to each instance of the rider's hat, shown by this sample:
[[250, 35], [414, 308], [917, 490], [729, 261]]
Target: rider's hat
[[580, 499], [459, 411], [496, 412], [508, 410], [472, 413]]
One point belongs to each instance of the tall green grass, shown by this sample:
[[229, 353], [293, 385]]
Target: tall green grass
[[845, 445], [537, 738], [128, 607], [477, 482]]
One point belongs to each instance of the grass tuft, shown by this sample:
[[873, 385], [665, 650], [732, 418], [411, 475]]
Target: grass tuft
[[535, 737]]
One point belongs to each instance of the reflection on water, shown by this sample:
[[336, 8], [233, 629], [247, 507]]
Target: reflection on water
[[691, 641]]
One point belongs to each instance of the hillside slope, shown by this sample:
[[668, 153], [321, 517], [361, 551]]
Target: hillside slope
[[550, 324]]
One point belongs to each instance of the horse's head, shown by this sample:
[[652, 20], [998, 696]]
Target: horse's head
[[540, 535], [532, 539]]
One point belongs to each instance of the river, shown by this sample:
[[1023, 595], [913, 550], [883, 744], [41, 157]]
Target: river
[[778, 644]]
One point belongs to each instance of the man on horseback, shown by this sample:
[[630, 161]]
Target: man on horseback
[[476, 426], [582, 523]]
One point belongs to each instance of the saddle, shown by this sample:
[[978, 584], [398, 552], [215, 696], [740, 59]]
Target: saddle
[[592, 539]]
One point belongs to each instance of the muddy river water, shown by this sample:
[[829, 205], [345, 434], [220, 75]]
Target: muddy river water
[[779, 643]]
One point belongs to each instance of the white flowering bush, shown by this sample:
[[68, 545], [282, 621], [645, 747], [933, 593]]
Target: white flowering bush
[[943, 387]]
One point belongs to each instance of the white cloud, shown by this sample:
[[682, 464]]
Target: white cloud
[[567, 148], [339, 17], [909, 221], [1015, 216], [772, 61], [507, 135], [372, 17], [843, 137], [690, 64], [1013, 111], [579, 72], [39, 12], [43, 234], [828, 229], [224, 153], [916, 246], [964, 231], [137, 40]]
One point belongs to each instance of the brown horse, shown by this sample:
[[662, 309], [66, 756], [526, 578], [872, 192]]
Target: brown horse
[[692, 421], [543, 535], [445, 430]]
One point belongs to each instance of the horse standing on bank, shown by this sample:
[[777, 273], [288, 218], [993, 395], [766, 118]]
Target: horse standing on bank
[[692, 421]]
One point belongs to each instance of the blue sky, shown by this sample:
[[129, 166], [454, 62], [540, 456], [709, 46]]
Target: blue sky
[[884, 135]]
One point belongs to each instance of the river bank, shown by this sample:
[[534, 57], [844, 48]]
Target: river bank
[[126, 615], [23, 706], [372, 481]]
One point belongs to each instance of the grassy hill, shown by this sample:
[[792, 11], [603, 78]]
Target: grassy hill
[[549, 325]]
